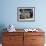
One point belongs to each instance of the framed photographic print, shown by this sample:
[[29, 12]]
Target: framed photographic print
[[26, 14]]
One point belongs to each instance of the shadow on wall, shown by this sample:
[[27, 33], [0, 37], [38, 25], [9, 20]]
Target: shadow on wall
[[2, 26]]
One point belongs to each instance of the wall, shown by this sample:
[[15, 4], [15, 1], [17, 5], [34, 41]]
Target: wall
[[9, 13]]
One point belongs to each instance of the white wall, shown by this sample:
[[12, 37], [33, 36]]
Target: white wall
[[9, 13]]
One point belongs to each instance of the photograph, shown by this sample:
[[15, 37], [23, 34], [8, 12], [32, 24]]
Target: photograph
[[25, 14]]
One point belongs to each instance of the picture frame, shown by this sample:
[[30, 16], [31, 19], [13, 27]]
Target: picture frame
[[26, 14]]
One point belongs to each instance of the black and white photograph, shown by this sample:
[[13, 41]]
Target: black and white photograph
[[25, 14]]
